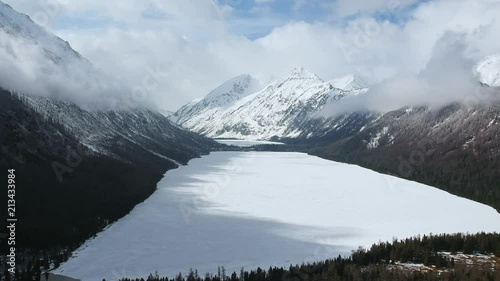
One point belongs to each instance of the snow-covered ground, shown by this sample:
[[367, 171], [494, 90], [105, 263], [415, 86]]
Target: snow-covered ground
[[246, 143], [249, 209]]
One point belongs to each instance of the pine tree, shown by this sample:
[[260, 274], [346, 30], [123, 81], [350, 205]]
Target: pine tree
[[191, 275], [242, 274]]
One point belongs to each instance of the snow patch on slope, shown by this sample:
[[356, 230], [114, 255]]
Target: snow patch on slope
[[375, 141], [349, 82], [488, 71]]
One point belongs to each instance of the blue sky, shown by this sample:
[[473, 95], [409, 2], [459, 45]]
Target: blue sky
[[249, 18], [257, 18], [261, 17], [268, 15]]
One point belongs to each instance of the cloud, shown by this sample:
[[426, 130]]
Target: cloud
[[198, 44], [28, 68], [447, 78]]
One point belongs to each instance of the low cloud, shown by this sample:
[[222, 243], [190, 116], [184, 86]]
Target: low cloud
[[195, 47], [447, 78], [56, 71]]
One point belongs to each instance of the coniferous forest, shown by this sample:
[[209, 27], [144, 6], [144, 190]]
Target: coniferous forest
[[380, 262]]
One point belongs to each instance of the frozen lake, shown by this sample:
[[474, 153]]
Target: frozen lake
[[246, 143], [250, 209]]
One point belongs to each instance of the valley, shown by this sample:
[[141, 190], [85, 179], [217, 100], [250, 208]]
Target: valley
[[168, 141], [251, 209]]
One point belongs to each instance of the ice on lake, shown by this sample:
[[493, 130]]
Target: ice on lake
[[250, 209], [246, 143]]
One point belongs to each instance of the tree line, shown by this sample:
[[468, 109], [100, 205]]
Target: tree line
[[375, 263]]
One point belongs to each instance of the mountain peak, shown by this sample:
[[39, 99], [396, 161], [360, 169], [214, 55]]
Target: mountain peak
[[303, 74]]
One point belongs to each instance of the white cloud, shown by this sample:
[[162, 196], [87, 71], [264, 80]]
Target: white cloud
[[27, 68], [194, 42]]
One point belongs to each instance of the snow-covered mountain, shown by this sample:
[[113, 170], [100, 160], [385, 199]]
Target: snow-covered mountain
[[289, 107], [36, 62], [277, 111], [488, 71], [21, 26], [198, 112]]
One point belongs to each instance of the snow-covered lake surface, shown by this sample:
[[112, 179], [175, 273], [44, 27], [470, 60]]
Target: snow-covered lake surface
[[250, 209], [246, 143]]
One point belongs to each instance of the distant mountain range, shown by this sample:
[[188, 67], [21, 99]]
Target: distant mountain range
[[280, 110], [290, 108]]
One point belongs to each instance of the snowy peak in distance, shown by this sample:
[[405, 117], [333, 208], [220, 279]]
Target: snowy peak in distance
[[300, 73], [349, 82], [225, 95], [280, 110], [488, 71]]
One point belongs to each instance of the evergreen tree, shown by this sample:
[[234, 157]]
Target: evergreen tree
[[242, 274]]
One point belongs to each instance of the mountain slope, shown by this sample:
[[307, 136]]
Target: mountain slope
[[36, 62], [21, 26], [82, 161], [281, 110], [109, 132], [454, 148]]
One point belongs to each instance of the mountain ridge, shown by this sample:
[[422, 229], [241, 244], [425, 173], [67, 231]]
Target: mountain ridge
[[273, 112]]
